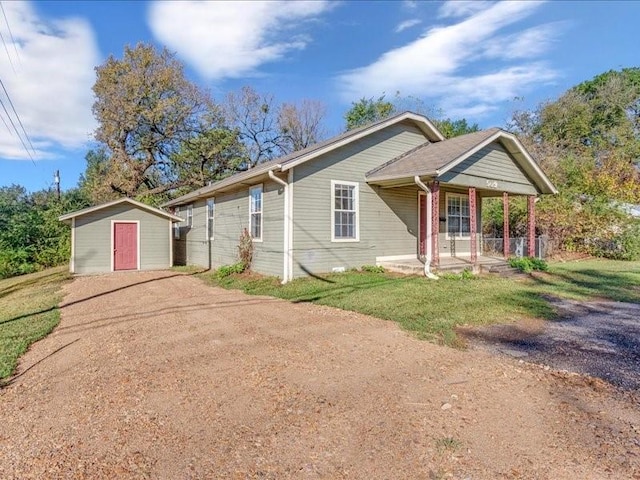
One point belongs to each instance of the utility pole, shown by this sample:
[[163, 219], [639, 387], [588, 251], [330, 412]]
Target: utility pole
[[56, 180]]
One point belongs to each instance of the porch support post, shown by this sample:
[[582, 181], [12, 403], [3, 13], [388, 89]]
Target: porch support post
[[435, 223], [505, 225], [473, 224], [531, 225]]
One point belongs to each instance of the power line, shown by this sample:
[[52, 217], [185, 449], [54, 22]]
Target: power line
[[15, 129], [6, 21], [18, 117]]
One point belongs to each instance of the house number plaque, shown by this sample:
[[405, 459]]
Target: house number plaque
[[492, 183]]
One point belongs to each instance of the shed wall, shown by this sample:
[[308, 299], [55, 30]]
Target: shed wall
[[92, 240]]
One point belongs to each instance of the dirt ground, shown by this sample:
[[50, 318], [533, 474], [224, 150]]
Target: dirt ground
[[155, 375]]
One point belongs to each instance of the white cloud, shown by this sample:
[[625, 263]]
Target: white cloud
[[49, 81], [462, 8], [232, 39], [407, 24], [410, 4], [449, 64]]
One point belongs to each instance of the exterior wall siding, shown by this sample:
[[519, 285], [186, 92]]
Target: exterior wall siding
[[231, 216], [92, 246], [491, 168], [388, 218]]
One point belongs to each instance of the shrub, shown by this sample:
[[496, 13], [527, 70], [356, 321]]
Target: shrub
[[227, 270], [528, 264], [466, 274], [245, 249], [372, 268], [625, 246]]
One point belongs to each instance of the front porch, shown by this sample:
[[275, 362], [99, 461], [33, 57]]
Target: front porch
[[483, 264]]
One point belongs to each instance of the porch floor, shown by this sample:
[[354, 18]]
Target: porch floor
[[447, 264]]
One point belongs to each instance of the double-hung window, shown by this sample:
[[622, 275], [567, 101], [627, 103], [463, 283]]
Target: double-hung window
[[255, 212], [176, 225], [344, 211], [189, 216], [211, 208], [458, 216]]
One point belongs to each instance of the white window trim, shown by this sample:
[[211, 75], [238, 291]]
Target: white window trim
[[356, 201], [190, 215], [446, 207], [258, 240], [213, 217]]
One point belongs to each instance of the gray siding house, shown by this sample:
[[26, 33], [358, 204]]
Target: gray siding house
[[395, 190], [120, 235]]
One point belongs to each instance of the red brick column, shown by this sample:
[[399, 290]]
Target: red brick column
[[473, 224], [435, 223], [505, 225], [531, 225]]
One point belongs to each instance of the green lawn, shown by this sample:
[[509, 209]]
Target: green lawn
[[28, 312], [432, 309]]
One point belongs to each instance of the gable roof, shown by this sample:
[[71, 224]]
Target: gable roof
[[142, 206], [435, 159], [286, 162]]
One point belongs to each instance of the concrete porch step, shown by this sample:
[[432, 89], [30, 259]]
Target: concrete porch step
[[416, 268], [507, 271]]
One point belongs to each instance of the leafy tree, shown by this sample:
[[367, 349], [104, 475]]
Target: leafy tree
[[454, 128], [31, 237], [588, 141], [368, 110], [208, 157], [146, 109]]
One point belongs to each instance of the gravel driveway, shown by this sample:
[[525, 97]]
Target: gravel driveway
[[156, 375], [601, 339]]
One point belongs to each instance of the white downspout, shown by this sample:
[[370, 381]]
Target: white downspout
[[286, 276], [427, 263]]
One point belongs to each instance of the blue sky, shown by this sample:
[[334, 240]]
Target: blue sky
[[466, 59]]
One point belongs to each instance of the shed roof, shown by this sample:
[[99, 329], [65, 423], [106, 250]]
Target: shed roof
[[289, 161], [78, 213]]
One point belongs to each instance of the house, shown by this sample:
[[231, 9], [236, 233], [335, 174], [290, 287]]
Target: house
[[120, 235], [394, 190]]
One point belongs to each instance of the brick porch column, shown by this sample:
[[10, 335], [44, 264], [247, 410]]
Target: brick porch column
[[473, 224], [505, 225], [435, 223], [531, 225]]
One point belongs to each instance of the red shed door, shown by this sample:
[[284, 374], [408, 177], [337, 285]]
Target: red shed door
[[125, 246]]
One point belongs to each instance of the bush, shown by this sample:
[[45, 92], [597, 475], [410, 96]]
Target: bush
[[625, 246], [245, 249], [466, 274], [528, 264], [227, 270], [372, 268]]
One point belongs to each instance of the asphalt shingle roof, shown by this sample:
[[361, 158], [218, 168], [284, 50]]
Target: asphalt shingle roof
[[429, 157]]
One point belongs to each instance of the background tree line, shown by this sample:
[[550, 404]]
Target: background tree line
[[160, 135]]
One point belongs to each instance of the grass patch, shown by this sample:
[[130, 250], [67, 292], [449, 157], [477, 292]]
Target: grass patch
[[28, 312], [433, 309], [591, 280]]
